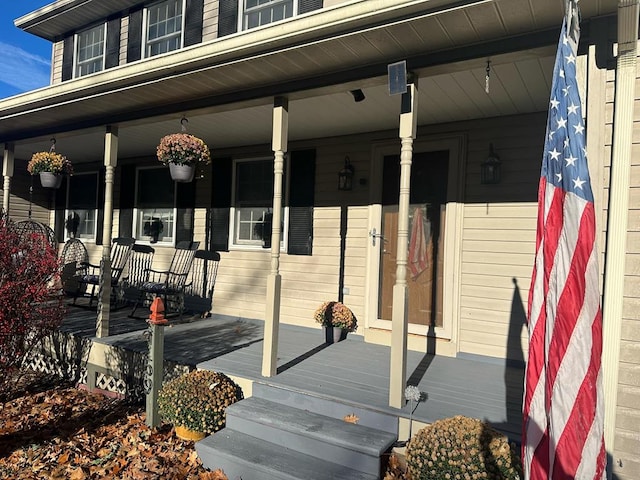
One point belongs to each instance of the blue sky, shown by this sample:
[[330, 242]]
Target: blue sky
[[26, 59]]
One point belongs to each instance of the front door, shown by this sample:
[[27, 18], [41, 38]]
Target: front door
[[429, 179]]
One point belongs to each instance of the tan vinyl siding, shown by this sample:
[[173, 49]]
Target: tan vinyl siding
[[210, 20], [498, 238], [56, 62], [124, 37]]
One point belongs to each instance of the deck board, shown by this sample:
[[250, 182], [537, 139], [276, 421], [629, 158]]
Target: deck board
[[352, 370]]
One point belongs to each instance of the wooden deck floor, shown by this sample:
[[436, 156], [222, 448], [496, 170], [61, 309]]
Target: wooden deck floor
[[352, 370]]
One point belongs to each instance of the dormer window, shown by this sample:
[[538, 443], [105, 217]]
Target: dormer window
[[90, 50], [263, 12], [164, 27]]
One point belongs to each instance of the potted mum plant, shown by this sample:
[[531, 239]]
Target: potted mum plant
[[50, 166], [183, 152], [195, 402], [336, 319]]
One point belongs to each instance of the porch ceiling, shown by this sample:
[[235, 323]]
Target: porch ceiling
[[226, 87]]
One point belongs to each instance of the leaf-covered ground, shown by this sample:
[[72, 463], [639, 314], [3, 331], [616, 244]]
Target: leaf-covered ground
[[53, 431]]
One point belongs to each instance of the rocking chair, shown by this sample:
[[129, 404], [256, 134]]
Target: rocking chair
[[168, 284], [120, 250], [198, 293]]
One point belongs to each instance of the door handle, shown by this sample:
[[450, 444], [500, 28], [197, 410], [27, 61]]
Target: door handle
[[375, 235]]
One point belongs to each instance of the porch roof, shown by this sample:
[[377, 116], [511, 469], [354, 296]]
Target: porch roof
[[226, 86]]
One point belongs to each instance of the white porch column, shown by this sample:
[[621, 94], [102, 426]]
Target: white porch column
[[104, 295], [618, 211], [7, 173], [272, 314], [399, 314]]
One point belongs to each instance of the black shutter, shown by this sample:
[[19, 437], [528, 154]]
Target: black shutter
[[61, 206], [134, 40], [100, 219], [301, 199], [127, 200], [220, 203], [227, 17], [193, 22], [185, 203], [112, 57], [67, 58], [305, 6]]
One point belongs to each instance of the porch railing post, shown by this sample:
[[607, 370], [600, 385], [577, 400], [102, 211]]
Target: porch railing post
[[272, 314], [399, 314], [104, 294], [7, 173]]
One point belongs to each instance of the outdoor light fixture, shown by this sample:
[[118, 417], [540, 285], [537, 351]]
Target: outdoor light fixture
[[490, 168], [345, 176], [358, 95]]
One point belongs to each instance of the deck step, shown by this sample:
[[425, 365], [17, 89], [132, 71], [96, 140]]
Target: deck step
[[351, 445], [327, 406], [243, 457]]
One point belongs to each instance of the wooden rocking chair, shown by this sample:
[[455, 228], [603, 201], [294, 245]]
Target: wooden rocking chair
[[120, 250], [169, 284], [137, 273], [198, 293]]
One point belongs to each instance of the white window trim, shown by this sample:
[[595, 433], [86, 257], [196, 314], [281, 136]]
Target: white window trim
[[241, 19], [285, 209], [145, 29], [136, 210], [75, 50], [67, 210]]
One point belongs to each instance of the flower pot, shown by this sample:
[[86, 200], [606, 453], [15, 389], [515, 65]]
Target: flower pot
[[187, 434], [334, 335], [50, 180], [182, 173]]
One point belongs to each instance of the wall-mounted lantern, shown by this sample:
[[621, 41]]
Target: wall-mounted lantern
[[490, 168], [345, 176]]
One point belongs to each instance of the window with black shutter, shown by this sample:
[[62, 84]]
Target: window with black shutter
[[134, 36], [112, 56], [67, 58], [221, 169]]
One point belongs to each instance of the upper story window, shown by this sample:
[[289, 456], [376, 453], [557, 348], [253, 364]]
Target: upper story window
[[164, 27], [90, 51], [263, 12]]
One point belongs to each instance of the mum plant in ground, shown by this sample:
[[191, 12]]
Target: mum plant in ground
[[197, 400], [29, 309], [461, 448]]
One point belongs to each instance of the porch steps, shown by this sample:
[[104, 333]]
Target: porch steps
[[280, 434]]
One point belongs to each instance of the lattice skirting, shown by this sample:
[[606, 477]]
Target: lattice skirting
[[132, 386]]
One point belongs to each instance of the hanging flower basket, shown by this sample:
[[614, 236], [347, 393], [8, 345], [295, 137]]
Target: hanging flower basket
[[51, 166], [184, 151], [50, 180]]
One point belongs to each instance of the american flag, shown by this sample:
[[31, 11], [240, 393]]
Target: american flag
[[563, 411]]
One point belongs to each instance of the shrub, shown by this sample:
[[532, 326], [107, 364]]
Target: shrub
[[461, 448], [197, 400], [29, 310]]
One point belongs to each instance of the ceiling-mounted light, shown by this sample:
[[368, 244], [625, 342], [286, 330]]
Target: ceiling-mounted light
[[358, 95]]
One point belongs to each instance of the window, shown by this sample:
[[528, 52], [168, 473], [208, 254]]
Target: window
[[253, 208], [263, 12], [164, 27], [82, 206], [155, 206], [90, 51]]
